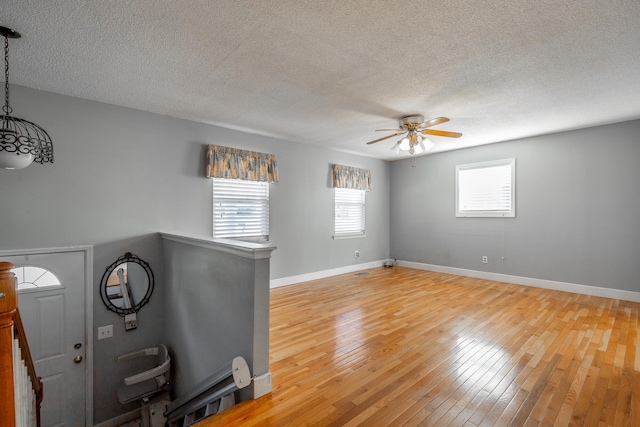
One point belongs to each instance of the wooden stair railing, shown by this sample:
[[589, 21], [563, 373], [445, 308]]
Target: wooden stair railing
[[11, 328]]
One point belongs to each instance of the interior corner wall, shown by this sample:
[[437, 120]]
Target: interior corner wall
[[107, 372], [577, 209], [121, 175], [303, 211]]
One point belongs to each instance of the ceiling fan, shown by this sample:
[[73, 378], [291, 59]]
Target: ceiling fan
[[415, 129]]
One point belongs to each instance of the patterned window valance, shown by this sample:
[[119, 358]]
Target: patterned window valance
[[350, 177], [233, 163]]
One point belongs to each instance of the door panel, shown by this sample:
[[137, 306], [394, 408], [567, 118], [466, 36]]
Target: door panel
[[54, 322], [49, 312]]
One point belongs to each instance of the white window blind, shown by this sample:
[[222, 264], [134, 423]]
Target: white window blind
[[349, 212], [240, 208], [486, 189]]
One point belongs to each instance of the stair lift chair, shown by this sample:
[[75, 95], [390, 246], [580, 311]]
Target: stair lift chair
[[147, 384]]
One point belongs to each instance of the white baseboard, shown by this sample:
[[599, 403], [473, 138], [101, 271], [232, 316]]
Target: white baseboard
[[516, 280], [284, 281], [529, 281], [262, 385]]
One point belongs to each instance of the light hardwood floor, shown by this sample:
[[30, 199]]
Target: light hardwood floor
[[399, 346]]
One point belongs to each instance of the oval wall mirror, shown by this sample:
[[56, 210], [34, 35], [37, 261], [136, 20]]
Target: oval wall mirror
[[126, 285]]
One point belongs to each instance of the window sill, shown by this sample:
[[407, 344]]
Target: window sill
[[486, 215], [349, 236], [250, 239]]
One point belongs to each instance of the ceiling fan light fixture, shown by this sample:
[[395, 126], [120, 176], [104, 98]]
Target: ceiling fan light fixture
[[414, 143], [426, 144], [21, 141], [415, 128], [416, 149], [404, 144]]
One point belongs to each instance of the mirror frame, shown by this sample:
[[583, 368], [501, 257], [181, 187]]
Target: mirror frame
[[128, 257]]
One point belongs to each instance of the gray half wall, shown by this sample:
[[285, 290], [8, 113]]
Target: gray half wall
[[217, 308]]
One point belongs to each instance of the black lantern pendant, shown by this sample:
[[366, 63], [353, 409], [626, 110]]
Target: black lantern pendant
[[21, 142]]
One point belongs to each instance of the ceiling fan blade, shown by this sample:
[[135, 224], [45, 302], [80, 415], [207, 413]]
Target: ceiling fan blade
[[442, 133], [387, 130], [434, 122], [385, 137]]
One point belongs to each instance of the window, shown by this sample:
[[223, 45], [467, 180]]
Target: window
[[240, 209], [349, 213], [486, 189], [31, 277]]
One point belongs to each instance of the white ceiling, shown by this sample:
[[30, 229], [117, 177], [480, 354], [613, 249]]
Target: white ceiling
[[330, 72]]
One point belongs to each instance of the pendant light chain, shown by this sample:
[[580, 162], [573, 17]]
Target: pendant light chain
[[7, 109]]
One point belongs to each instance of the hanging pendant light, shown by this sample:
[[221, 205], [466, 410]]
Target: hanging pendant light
[[21, 142]]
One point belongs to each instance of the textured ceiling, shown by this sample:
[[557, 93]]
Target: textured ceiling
[[331, 72]]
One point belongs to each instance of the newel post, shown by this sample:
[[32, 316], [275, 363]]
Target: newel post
[[8, 303]]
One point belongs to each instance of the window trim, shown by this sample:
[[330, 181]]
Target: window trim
[[487, 213], [350, 234]]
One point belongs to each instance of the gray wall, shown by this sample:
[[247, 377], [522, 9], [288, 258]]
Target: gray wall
[[121, 175], [108, 373], [577, 209], [302, 213]]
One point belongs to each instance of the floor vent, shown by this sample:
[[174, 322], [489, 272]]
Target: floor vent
[[362, 273]]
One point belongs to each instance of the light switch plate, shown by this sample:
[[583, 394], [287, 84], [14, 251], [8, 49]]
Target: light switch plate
[[105, 332]]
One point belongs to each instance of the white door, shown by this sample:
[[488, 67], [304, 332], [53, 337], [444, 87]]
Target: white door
[[53, 315]]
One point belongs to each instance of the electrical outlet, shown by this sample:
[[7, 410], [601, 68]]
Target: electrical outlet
[[130, 322], [485, 259], [105, 332], [356, 254]]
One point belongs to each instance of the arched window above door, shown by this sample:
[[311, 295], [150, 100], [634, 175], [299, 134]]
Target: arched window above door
[[32, 277]]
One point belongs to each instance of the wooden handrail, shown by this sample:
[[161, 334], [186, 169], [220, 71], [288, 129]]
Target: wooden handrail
[[10, 326], [8, 304]]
